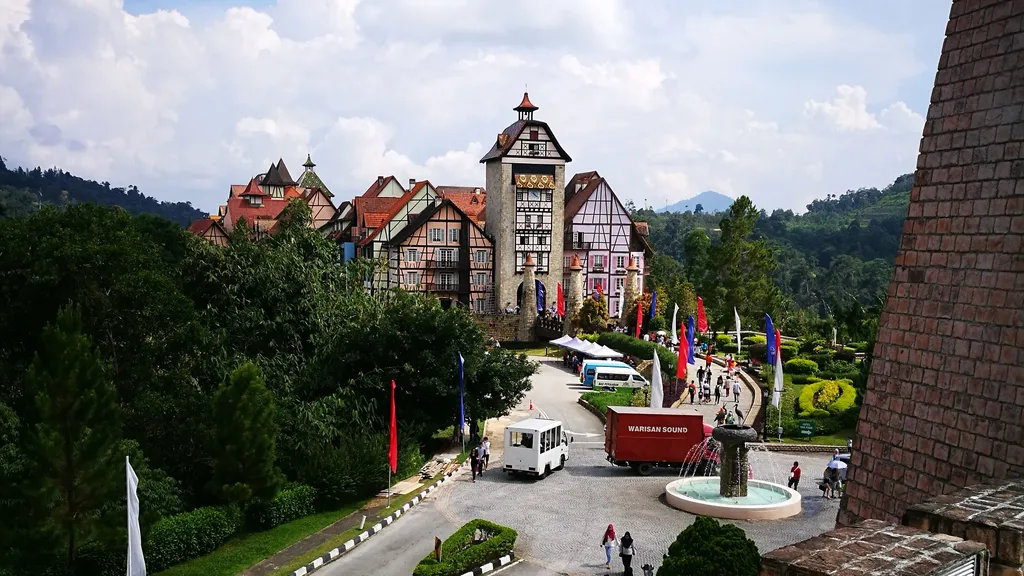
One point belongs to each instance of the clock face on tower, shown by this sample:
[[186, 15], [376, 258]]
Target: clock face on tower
[[533, 225]]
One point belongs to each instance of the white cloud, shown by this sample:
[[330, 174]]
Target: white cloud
[[664, 99]]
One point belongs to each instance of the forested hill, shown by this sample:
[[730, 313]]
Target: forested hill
[[22, 190], [843, 248]]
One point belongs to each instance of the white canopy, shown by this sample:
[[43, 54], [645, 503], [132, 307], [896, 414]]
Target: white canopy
[[608, 352], [561, 340], [574, 343]]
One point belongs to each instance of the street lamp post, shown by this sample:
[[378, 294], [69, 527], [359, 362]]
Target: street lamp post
[[764, 414]]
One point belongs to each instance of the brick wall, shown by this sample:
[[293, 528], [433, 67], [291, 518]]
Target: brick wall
[[502, 327], [944, 401]]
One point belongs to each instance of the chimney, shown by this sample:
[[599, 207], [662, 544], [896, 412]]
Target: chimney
[[477, 191], [412, 182], [380, 181]]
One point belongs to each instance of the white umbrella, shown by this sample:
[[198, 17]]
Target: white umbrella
[[839, 464], [661, 332]]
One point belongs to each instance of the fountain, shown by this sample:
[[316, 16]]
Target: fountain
[[733, 495]]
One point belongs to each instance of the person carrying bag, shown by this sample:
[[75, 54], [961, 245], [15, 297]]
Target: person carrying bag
[[626, 553]]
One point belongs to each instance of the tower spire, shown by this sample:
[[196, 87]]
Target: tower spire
[[308, 164], [525, 108]]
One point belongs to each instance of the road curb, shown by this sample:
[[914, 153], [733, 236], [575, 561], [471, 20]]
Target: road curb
[[803, 448], [493, 565], [591, 408], [376, 528]]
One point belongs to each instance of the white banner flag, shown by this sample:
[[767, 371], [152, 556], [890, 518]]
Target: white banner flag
[[737, 329], [675, 339], [657, 392], [777, 392], [136, 563], [622, 300]]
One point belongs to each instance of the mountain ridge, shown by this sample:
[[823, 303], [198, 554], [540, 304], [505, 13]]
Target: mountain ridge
[[709, 201]]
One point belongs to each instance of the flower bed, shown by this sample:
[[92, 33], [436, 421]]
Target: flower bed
[[478, 542]]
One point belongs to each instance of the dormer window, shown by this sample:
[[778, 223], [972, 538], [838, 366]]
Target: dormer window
[[254, 200]]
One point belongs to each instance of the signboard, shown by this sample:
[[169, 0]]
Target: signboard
[[805, 428]]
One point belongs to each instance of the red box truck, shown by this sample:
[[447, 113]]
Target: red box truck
[[645, 438]]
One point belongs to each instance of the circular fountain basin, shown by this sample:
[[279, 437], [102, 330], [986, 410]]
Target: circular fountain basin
[[764, 500]]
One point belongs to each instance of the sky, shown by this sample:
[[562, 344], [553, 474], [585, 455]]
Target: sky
[[783, 101]]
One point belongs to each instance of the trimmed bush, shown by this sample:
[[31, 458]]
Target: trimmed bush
[[711, 549], [804, 379], [812, 345], [751, 340], [827, 398], [722, 340], [727, 349], [846, 356], [591, 337], [639, 348], [857, 347], [189, 535], [801, 366], [657, 323], [289, 504], [460, 553], [789, 351], [602, 400]]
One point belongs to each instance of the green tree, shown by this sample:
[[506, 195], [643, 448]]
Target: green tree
[[592, 315], [697, 261], [245, 438], [711, 549], [744, 269], [75, 470]]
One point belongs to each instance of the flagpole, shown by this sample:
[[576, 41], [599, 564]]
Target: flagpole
[[389, 485]]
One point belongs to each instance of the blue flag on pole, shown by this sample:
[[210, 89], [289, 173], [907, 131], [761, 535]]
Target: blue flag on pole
[[541, 296], [769, 331], [462, 403], [690, 336], [654, 303]]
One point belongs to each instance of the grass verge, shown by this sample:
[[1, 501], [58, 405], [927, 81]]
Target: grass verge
[[602, 400], [245, 550], [340, 539]]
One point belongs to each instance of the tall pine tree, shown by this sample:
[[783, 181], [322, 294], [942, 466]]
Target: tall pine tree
[[245, 438], [74, 469]]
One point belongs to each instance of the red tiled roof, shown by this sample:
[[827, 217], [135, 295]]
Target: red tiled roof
[[466, 199], [578, 199], [372, 211], [269, 210], [199, 227], [396, 208], [379, 184]]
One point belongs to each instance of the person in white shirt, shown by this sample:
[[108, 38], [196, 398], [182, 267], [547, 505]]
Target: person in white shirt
[[487, 452]]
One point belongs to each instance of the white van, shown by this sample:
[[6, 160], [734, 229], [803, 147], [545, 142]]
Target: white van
[[535, 447], [616, 376]]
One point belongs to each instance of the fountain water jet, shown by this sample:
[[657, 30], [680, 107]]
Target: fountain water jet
[[733, 495]]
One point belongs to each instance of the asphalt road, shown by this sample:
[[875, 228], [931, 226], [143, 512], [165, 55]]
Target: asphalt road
[[560, 519]]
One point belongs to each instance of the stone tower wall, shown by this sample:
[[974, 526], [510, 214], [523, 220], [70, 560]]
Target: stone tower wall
[[944, 402]]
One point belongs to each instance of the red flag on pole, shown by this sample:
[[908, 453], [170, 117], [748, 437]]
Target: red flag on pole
[[702, 319], [560, 301], [683, 359], [393, 449], [639, 317]]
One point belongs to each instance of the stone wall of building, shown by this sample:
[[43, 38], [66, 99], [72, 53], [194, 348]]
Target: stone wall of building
[[944, 401], [501, 327]]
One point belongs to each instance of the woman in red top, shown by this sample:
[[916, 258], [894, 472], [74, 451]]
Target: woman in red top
[[794, 475]]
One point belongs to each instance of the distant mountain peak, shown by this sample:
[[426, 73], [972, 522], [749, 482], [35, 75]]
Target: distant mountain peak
[[709, 200]]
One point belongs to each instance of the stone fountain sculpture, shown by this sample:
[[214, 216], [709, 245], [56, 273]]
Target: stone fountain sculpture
[[733, 456]]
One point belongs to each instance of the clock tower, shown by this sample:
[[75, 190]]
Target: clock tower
[[525, 206]]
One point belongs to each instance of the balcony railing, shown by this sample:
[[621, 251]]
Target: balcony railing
[[442, 286], [443, 263], [581, 245], [597, 267]]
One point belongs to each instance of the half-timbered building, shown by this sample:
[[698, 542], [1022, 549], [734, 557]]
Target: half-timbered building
[[599, 230], [443, 251], [210, 230]]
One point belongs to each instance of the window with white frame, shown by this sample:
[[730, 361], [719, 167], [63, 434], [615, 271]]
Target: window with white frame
[[412, 279], [619, 283], [620, 261], [479, 305], [567, 261], [446, 281], [437, 234], [480, 256], [412, 255], [599, 260], [453, 235], [480, 279]]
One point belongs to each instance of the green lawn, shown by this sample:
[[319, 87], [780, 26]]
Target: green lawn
[[551, 351], [246, 550], [336, 541], [602, 400]]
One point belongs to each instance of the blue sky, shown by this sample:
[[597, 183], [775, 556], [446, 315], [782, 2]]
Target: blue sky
[[781, 101]]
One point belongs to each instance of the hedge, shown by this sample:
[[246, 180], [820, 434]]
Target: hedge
[[289, 504], [760, 351], [729, 348], [639, 348], [801, 366], [182, 537], [804, 379], [602, 400], [722, 340], [459, 554], [834, 398], [751, 340]]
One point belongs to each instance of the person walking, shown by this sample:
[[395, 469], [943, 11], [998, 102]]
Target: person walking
[[609, 542], [487, 452], [474, 460], [736, 391], [718, 394], [626, 553], [794, 476], [693, 392]]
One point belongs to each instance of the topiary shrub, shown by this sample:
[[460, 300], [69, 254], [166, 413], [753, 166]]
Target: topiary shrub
[[289, 504], [475, 544], [711, 549], [751, 340], [812, 344], [758, 352], [182, 537], [827, 398], [801, 366], [722, 340], [727, 349], [846, 356], [789, 351], [804, 379], [657, 323]]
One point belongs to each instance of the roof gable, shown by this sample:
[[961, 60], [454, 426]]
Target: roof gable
[[278, 175], [587, 183], [514, 141], [310, 179], [392, 222], [386, 186], [427, 214]]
